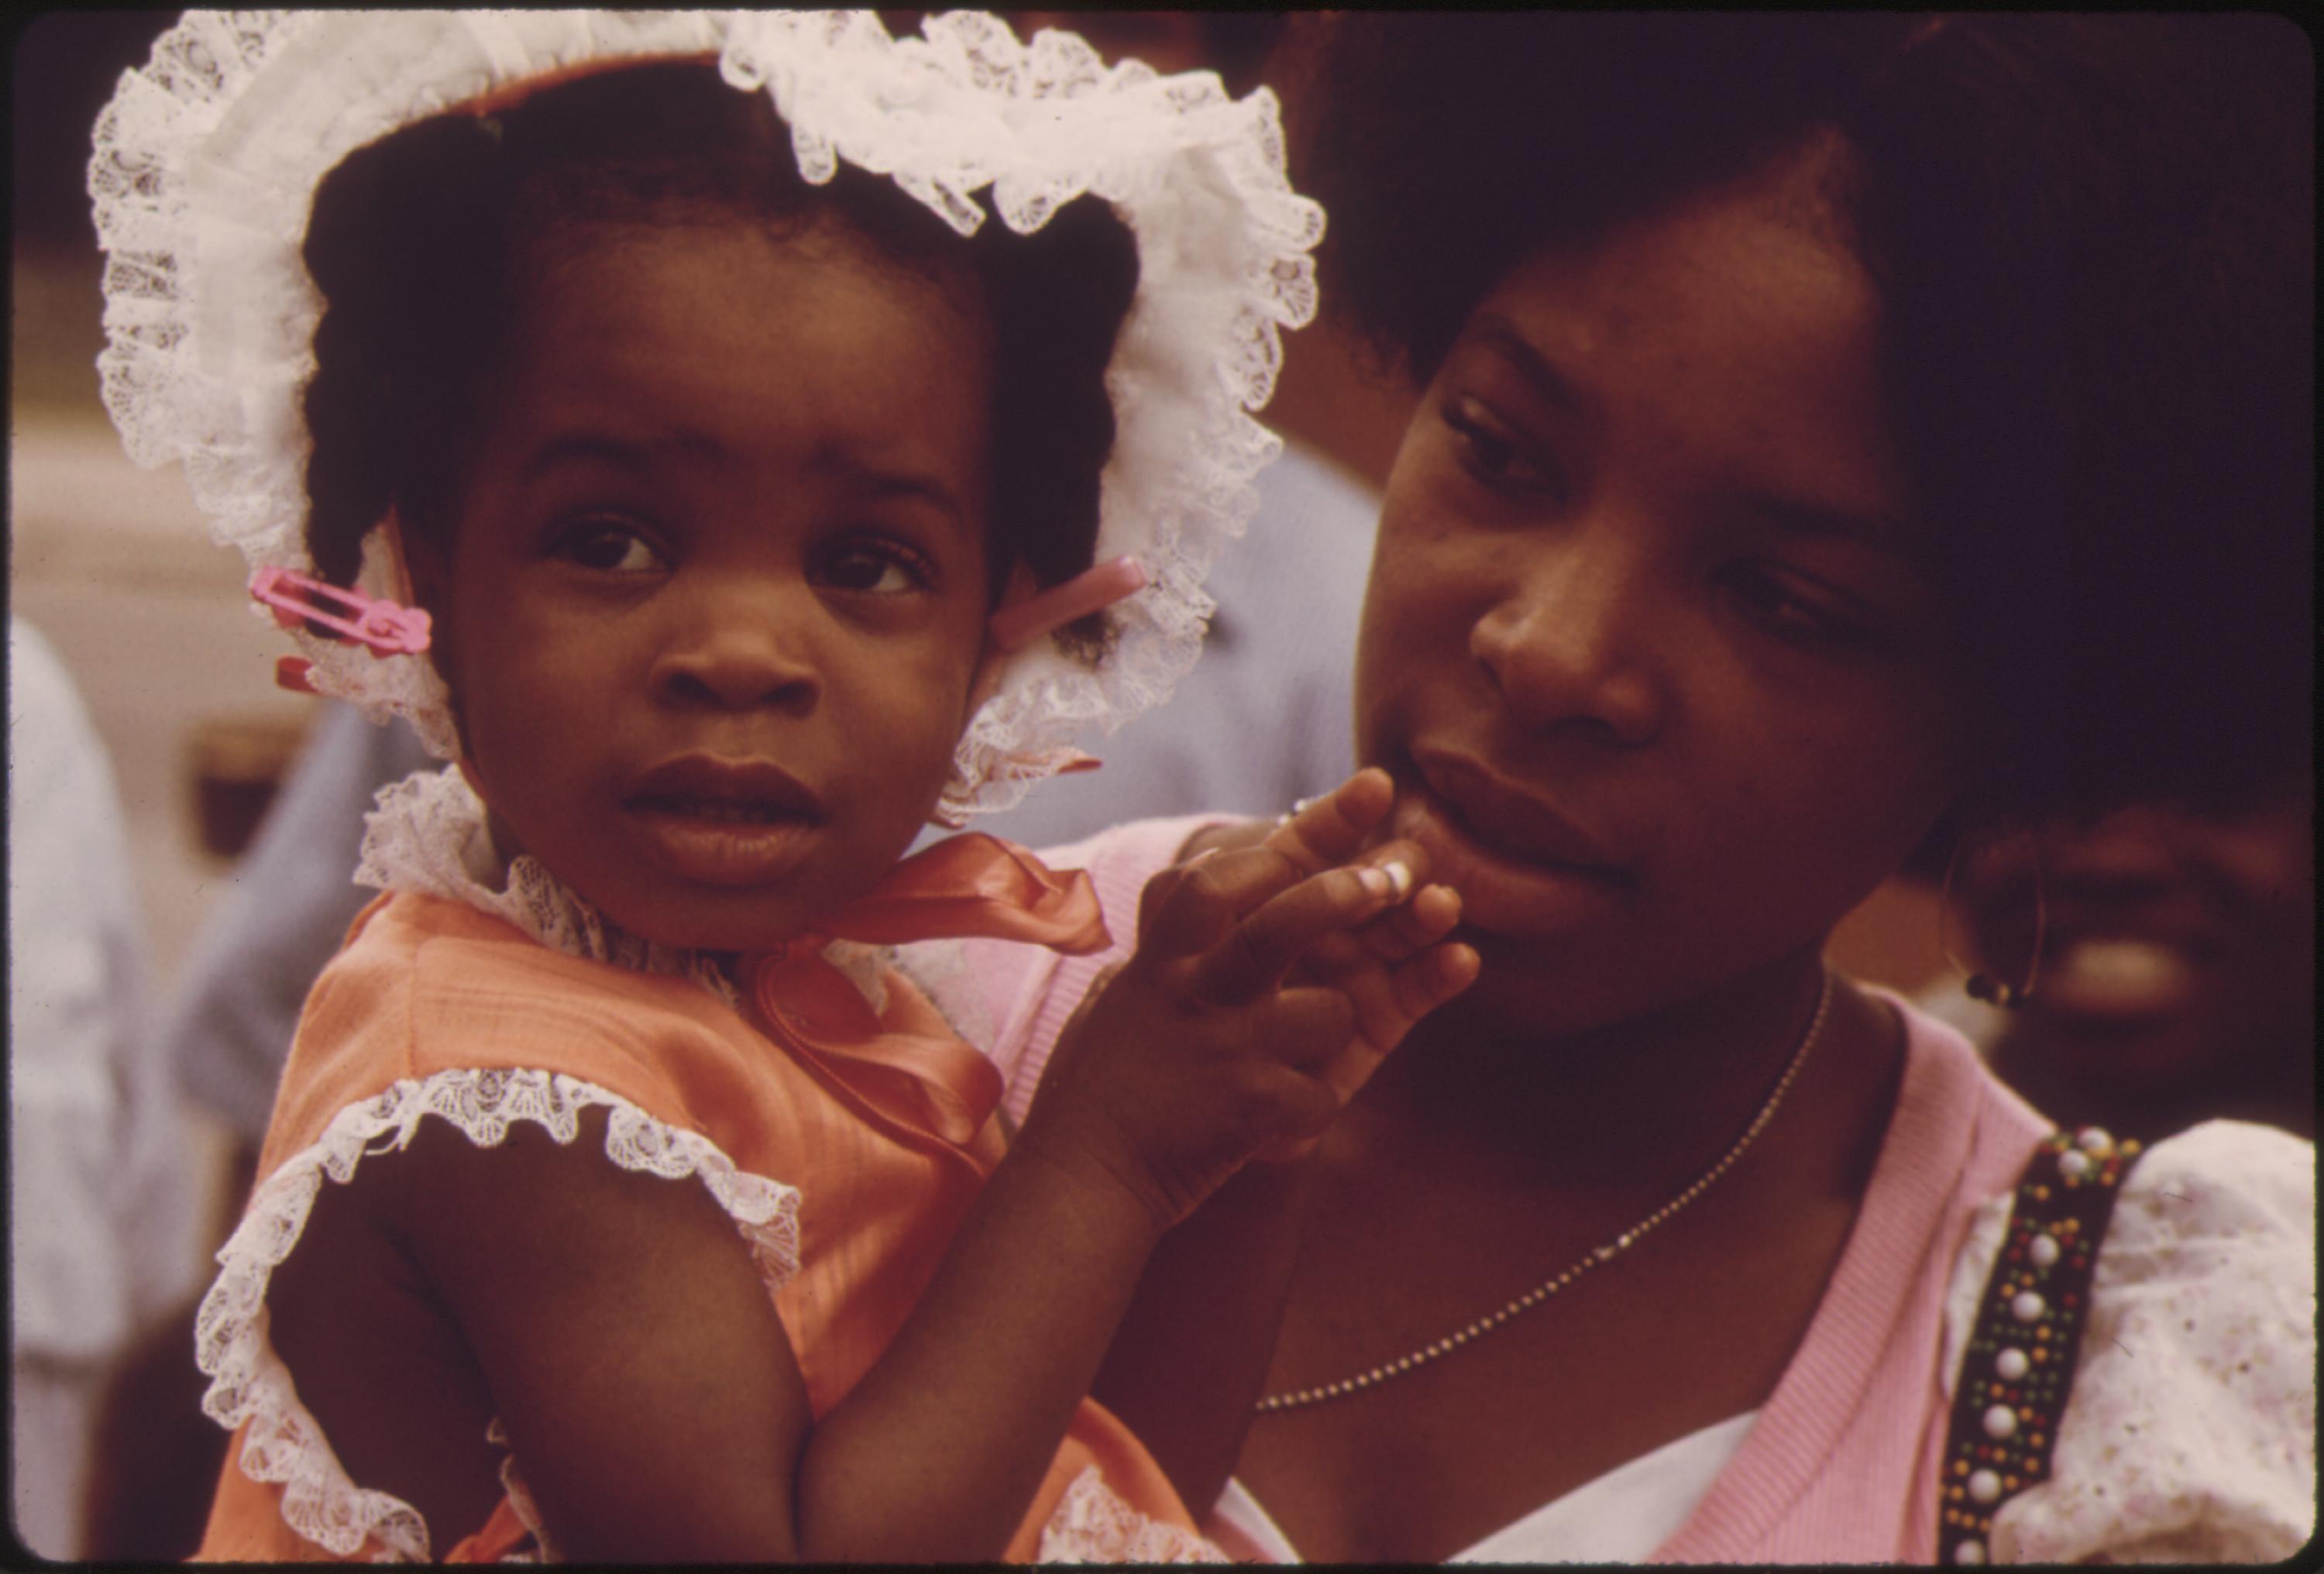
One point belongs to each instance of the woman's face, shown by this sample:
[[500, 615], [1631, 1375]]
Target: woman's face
[[1649, 646]]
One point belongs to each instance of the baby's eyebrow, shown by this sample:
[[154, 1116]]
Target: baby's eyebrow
[[624, 452], [880, 480], [886, 481]]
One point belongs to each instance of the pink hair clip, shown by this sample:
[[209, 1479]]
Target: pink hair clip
[[386, 628], [1018, 625]]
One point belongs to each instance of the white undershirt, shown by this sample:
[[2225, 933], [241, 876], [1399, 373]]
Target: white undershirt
[[1619, 1517]]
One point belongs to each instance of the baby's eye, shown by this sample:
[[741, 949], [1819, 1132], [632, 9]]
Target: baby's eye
[[608, 546], [1494, 453], [874, 567]]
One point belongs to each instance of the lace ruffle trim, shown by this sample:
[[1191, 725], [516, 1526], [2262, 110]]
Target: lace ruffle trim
[[250, 1383], [1093, 1524]]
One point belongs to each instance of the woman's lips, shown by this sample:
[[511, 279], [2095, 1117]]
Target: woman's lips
[[1508, 884], [1509, 817]]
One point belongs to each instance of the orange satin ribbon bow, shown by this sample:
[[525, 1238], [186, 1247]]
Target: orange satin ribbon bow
[[905, 1060]]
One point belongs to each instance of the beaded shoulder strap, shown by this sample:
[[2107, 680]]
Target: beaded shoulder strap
[[2019, 1365]]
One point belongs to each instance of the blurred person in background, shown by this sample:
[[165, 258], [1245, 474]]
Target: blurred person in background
[[101, 1215], [227, 1023], [2177, 962]]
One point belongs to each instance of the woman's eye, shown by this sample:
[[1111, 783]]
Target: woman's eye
[[1773, 603], [875, 568], [608, 546], [1495, 455]]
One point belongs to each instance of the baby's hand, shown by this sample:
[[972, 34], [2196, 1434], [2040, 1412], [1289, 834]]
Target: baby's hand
[[1393, 969], [1198, 1055]]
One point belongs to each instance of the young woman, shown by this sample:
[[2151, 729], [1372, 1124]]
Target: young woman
[[1829, 424]]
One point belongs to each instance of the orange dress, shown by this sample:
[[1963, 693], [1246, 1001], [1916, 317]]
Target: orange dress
[[844, 1162]]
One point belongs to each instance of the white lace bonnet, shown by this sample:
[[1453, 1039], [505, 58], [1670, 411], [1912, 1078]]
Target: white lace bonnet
[[206, 160]]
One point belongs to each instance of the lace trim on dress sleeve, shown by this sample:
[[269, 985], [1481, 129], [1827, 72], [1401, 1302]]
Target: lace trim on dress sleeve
[[2191, 1433], [248, 1381]]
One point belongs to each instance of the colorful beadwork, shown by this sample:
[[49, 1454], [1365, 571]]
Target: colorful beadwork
[[2020, 1360]]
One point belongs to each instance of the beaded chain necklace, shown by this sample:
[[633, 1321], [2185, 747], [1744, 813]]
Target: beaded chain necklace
[[1606, 1253]]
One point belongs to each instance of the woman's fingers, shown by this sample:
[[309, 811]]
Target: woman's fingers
[[1351, 924], [1385, 1002]]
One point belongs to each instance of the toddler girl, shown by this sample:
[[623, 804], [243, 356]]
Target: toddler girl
[[745, 486]]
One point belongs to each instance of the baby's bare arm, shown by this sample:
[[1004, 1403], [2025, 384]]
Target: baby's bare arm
[[1212, 1293], [613, 1320], [617, 1325], [1193, 1349]]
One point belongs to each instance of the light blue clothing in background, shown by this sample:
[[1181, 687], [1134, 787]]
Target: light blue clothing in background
[[1265, 717], [290, 899], [100, 1193]]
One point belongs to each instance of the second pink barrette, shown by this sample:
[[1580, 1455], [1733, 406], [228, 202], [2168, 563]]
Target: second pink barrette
[[1018, 625]]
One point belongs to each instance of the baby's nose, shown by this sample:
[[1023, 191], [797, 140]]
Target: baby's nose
[[742, 654]]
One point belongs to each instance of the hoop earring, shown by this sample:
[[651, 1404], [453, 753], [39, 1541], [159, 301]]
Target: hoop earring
[[1984, 986]]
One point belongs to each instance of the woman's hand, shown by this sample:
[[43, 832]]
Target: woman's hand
[[1268, 983]]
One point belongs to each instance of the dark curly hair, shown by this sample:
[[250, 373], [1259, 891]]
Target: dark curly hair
[[2094, 237], [421, 243]]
